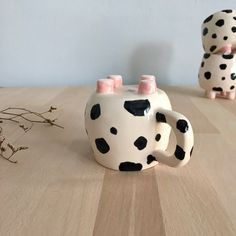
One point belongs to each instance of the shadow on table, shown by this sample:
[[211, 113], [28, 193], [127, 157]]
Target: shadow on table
[[83, 149]]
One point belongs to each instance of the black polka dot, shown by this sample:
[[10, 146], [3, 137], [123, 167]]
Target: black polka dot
[[225, 38], [234, 17], [202, 64], [233, 76], [150, 159], [227, 11], [137, 107], [223, 78], [182, 126], [214, 36], [113, 130], [158, 137], [220, 22], [102, 145], [212, 48], [232, 87], [207, 75], [223, 66], [230, 56], [95, 112], [179, 152], [218, 89], [205, 31], [160, 117], [206, 55], [208, 19], [191, 152], [140, 143], [233, 29], [130, 166]]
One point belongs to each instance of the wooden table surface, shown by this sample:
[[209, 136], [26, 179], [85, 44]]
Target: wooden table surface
[[57, 188]]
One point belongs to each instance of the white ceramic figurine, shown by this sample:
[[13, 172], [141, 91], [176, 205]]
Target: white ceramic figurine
[[217, 73]]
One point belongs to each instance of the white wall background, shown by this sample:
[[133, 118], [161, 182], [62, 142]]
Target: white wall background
[[76, 42]]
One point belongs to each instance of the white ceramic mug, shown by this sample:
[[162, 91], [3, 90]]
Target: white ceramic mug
[[129, 126]]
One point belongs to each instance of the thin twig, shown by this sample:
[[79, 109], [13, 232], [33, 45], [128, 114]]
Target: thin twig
[[10, 115]]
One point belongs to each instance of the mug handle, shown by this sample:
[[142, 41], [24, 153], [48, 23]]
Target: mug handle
[[184, 136]]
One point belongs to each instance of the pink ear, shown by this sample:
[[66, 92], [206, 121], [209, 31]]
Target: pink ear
[[146, 87], [151, 78], [118, 81], [105, 86]]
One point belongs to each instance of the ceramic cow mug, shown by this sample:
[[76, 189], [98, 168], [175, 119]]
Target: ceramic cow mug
[[129, 126]]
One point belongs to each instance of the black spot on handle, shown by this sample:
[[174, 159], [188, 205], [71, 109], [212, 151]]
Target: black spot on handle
[[150, 159], [140, 143], [95, 111], [220, 22], [182, 126], [223, 78], [232, 87], [233, 29], [160, 117], [130, 166], [225, 38], [102, 145], [208, 19], [158, 137], [233, 76], [137, 107], [202, 64], [234, 17], [218, 89], [179, 153], [230, 56]]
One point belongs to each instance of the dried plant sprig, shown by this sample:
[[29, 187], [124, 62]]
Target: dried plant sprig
[[13, 150], [16, 115]]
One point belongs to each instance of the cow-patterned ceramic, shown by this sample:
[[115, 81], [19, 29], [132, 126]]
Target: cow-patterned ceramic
[[219, 32], [129, 126], [217, 75]]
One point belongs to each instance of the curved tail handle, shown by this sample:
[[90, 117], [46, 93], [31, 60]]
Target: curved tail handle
[[184, 137]]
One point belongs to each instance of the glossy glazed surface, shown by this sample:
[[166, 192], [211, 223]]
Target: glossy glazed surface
[[126, 128]]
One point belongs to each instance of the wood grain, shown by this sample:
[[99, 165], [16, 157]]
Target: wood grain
[[57, 188]]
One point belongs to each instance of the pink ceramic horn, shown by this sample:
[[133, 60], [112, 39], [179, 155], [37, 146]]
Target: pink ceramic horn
[[118, 82], [146, 87], [105, 86]]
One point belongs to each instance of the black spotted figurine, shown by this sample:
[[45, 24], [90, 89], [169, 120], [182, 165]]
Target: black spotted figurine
[[129, 126], [217, 73]]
